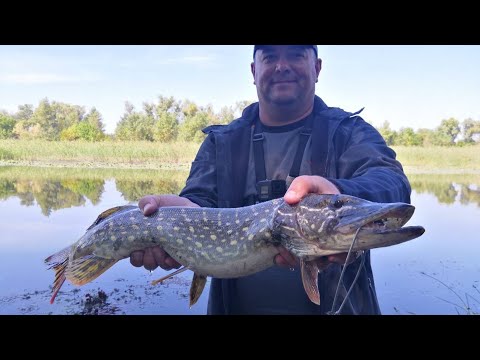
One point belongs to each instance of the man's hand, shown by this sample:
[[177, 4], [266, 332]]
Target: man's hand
[[155, 256], [300, 187]]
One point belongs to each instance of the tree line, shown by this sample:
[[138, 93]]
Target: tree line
[[450, 132], [170, 119]]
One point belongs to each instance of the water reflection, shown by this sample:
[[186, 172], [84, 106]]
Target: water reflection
[[55, 189], [464, 188], [134, 190], [448, 206]]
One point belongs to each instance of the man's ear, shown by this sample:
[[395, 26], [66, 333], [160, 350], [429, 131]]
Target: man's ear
[[252, 68], [318, 66]]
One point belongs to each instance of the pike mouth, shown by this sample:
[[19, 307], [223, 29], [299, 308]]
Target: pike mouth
[[383, 225]]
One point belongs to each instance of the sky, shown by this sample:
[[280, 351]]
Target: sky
[[408, 85]]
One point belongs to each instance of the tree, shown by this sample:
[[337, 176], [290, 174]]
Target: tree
[[166, 127], [7, 124], [470, 129], [25, 112], [240, 105], [67, 115], [407, 137], [189, 109], [82, 131], [168, 104], [94, 118], [149, 109], [447, 132], [135, 126], [191, 128], [27, 130], [388, 134], [226, 115], [44, 116], [426, 137]]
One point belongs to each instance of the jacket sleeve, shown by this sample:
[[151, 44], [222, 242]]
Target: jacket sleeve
[[367, 167], [201, 185]]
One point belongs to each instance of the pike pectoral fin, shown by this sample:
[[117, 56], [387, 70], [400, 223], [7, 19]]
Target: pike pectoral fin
[[83, 270], [310, 280], [196, 289], [155, 282]]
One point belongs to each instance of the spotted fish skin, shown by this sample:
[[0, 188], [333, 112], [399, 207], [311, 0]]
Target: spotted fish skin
[[222, 243], [229, 243]]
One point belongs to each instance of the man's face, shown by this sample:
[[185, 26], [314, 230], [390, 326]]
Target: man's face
[[285, 74]]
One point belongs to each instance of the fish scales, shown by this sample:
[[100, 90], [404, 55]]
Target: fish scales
[[214, 242], [229, 243]]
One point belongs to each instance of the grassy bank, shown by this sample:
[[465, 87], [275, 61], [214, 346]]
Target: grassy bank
[[437, 159], [127, 154], [179, 155]]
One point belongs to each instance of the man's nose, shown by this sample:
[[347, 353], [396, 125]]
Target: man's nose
[[282, 65]]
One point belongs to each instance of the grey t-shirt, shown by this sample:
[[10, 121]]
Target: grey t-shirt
[[275, 290], [279, 147]]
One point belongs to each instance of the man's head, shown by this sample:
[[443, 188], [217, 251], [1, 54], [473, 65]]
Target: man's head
[[285, 75], [314, 47]]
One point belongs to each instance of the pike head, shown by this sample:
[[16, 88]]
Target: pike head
[[322, 225]]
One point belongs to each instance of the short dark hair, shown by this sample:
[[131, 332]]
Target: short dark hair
[[315, 48]]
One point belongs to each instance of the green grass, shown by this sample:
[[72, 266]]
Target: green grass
[[439, 159], [179, 155], [15, 173], [101, 154]]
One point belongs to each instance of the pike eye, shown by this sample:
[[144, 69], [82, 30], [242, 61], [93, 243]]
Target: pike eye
[[338, 204]]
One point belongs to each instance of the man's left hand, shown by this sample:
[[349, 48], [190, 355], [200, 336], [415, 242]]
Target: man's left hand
[[300, 187]]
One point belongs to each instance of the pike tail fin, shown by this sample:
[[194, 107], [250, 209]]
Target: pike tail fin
[[58, 262]]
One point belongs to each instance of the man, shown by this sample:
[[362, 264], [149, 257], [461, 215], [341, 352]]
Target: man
[[290, 140]]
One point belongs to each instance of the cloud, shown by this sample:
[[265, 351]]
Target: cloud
[[43, 78], [194, 60]]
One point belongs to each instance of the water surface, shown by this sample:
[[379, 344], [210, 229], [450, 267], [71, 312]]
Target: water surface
[[44, 210]]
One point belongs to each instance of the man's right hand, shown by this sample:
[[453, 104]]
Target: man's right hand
[[155, 256]]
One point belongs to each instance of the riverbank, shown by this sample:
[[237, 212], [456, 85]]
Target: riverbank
[[179, 156], [184, 167]]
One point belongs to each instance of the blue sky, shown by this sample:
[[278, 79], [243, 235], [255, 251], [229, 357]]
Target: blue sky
[[415, 86]]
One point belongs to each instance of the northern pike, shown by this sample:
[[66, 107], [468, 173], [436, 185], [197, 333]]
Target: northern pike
[[235, 242]]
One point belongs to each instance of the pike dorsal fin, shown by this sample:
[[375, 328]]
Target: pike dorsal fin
[[108, 213], [310, 280], [196, 289]]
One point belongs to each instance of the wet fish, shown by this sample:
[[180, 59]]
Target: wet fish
[[235, 242]]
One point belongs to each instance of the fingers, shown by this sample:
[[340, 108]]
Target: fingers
[[285, 258], [149, 204], [153, 257], [341, 259], [136, 258], [338, 258], [160, 255], [149, 260], [163, 259], [305, 184]]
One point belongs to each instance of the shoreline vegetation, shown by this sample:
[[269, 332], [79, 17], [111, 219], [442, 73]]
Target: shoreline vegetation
[[179, 155]]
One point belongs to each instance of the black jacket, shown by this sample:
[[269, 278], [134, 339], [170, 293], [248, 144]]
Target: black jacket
[[345, 149]]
